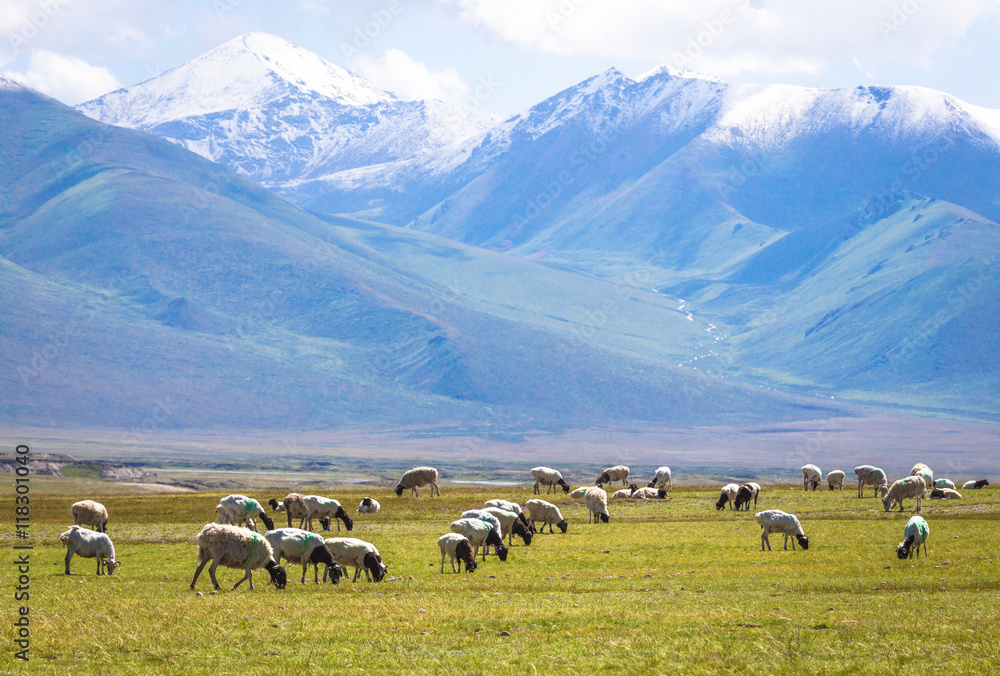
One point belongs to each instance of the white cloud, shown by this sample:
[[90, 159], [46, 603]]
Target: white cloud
[[409, 79], [67, 78], [718, 36]]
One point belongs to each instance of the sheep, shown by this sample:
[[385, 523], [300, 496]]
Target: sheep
[[747, 492], [457, 546], [90, 513], [546, 476], [509, 506], [236, 547], [662, 479], [239, 509], [976, 484], [326, 509], [916, 533], [647, 493], [369, 506], [728, 494], [623, 493], [835, 480], [480, 533], [945, 494], [359, 554], [418, 477], [511, 524], [944, 483], [547, 513], [869, 475], [90, 544], [579, 492], [485, 516], [922, 470], [811, 475], [302, 546], [912, 486], [293, 506], [612, 474], [776, 521], [597, 505]]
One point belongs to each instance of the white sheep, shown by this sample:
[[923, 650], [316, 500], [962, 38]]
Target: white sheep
[[662, 479], [418, 477], [647, 493], [747, 492], [546, 476], [485, 516], [944, 483], [457, 546], [811, 476], [90, 544], [327, 510], [727, 495], [613, 474], [912, 486], [239, 509], [546, 513], [293, 506], [915, 533], [301, 546], [509, 506], [511, 524], [835, 480], [869, 475], [481, 534], [922, 470], [944, 494], [597, 505], [579, 492], [360, 555], [777, 521], [976, 484], [236, 547], [369, 506], [90, 513], [622, 493]]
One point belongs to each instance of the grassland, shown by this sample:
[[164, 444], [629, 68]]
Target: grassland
[[671, 586]]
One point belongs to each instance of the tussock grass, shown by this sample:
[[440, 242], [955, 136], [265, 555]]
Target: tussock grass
[[667, 586]]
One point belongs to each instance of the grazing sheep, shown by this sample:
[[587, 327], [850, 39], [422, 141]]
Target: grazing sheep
[[596, 500], [747, 492], [662, 479], [90, 513], [728, 495], [835, 480], [546, 476], [359, 554], [916, 533], [509, 506], [326, 509], [976, 484], [301, 546], [869, 475], [647, 493], [511, 524], [922, 470], [944, 483], [480, 533], [547, 513], [912, 486], [418, 477], [579, 492], [811, 476], [369, 506], [945, 494], [236, 547], [239, 509], [90, 544], [485, 516], [624, 492], [293, 506], [457, 546], [613, 474], [776, 521]]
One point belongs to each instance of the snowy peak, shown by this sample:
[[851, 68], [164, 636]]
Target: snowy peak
[[245, 73]]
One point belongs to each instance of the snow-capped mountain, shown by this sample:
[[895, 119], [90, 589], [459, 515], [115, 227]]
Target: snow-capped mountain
[[273, 111]]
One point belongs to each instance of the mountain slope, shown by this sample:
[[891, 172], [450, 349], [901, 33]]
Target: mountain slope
[[273, 111]]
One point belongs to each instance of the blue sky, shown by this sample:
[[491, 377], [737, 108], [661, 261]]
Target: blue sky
[[75, 50]]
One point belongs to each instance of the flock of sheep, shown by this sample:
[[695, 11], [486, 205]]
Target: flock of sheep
[[234, 542]]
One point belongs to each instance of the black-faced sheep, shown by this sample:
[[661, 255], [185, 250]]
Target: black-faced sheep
[[811, 476], [481, 534], [457, 547], [945, 494], [326, 510], [418, 477], [236, 547], [597, 505], [777, 521], [912, 486], [511, 524], [915, 534], [239, 509], [303, 547], [727, 496], [981, 483], [369, 506], [546, 476], [622, 493], [613, 474], [647, 493], [509, 506], [869, 475], [662, 479], [747, 492], [835, 480], [90, 544], [540, 511], [360, 555], [90, 513]]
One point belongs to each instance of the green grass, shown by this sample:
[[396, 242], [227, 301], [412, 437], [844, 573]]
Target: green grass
[[671, 586]]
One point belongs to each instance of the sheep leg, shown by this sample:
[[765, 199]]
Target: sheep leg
[[69, 555], [211, 573], [764, 541], [198, 572], [305, 568], [100, 568], [919, 498], [536, 488], [247, 576]]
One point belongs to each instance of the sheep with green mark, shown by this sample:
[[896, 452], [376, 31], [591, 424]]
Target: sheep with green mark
[[303, 547], [869, 475], [239, 510], [915, 533], [777, 521], [236, 547], [922, 470], [510, 523], [908, 487], [509, 506], [481, 533]]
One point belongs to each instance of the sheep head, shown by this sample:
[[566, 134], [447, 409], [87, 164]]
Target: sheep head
[[661, 494], [562, 525], [374, 564], [603, 478], [399, 491], [268, 521], [604, 517], [278, 576], [565, 486], [651, 483], [274, 504], [803, 541], [342, 515], [335, 572], [324, 522]]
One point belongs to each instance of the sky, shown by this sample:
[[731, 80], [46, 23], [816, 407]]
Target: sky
[[503, 56]]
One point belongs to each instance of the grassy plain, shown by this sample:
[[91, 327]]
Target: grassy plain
[[668, 586]]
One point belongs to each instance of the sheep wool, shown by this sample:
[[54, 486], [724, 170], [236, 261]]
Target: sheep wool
[[546, 513], [915, 533], [90, 513], [945, 494], [727, 495], [835, 480], [869, 475], [922, 470], [299, 546], [481, 534], [236, 547], [369, 506], [546, 476], [647, 493], [418, 477], [511, 524], [597, 505], [777, 521], [912, 486], [360, 555], [90, 544], [662, 479], [613, 474], [811, 476], [579, 492], [456, 546], [944, 483], [327, 510]]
